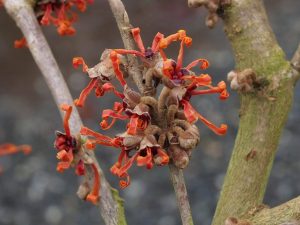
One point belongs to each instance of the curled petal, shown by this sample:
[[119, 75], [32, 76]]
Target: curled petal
[[202, 80], [47, 15], [189, 111], [204, 64], [115, 115], [192, 115], [132, 52], [221, 88], [115, 62], [109, 87], [21, 43], [68, 110], [93, 196], [115, 169], [86, 91], [137, 38], [100, 137], [123, 170], [185, 41], [77, 61], [155, 44], [164, 43]]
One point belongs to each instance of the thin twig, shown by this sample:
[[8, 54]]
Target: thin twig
[[176, 174], [121, 16], [181, 195], [110, 205]]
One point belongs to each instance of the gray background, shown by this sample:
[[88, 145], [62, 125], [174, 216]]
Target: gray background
[[32, 192]]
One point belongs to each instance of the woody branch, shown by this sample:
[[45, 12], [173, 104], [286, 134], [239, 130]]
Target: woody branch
[[263, 110]]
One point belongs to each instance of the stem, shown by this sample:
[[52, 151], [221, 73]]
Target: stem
[[176, 174], [110, 206], [263, 113], [183, 204], [121, 16]]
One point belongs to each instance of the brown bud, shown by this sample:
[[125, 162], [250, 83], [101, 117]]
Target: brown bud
[[242, 81], [211, 20]]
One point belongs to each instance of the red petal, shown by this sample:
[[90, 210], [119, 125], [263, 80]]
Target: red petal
[[20, 43], [77, 61], [164, 43], [191, 113], [137, 38], [204, 64], [109, 87], [94, 195], [86, 91], [123, 170], [221, 88], [68, 110], [202, 80], [46, 18], [115, 62], [185, 41], [155, 44], [100, 137], [110, 113]]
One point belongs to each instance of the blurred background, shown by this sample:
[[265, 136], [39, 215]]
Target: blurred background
[[32, 192]]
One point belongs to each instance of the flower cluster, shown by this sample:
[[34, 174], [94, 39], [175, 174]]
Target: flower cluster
[[59, 13], [160, 127], [69, 154], [8, 148]]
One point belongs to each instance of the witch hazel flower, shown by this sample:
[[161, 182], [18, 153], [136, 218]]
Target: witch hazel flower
[[160, 127], [71, 154], [187, 82], [59, 13]]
